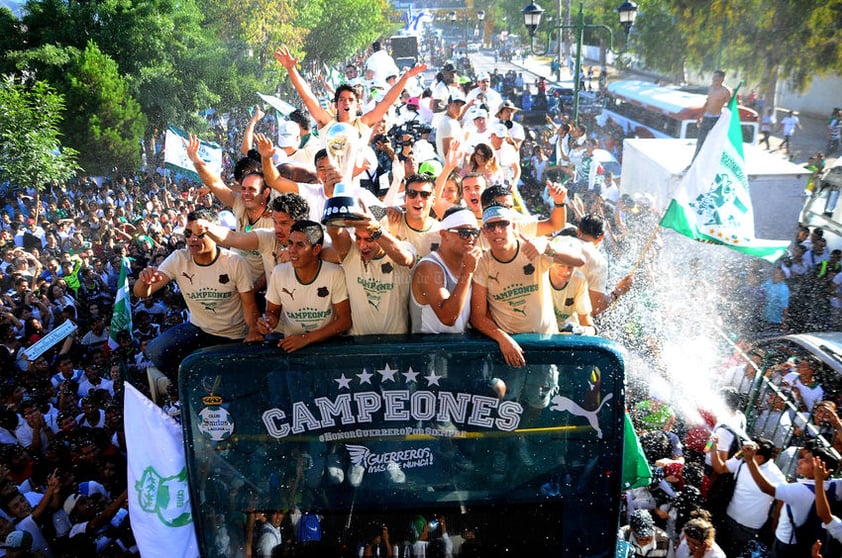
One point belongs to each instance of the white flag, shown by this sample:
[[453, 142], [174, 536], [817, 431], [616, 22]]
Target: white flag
[[175, 154], [712, 203], [159, 497]]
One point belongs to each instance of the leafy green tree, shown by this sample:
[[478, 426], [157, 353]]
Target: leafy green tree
[[105, 123], [10, 38], [339, 29], [31, 153]]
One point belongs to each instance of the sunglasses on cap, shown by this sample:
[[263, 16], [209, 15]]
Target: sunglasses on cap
[[412, 194], [465, 234], [188, 233], [496, 225]]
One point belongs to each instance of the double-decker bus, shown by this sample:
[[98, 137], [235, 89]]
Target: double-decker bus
[[648, 110], [405, 438]]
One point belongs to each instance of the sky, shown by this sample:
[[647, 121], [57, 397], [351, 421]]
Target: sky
[[14, 5]]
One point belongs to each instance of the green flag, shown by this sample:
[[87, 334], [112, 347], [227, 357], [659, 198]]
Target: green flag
[[712, 202], [636, 472], [121, 317]]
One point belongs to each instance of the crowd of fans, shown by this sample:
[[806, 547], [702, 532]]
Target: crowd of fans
[[446, 157]]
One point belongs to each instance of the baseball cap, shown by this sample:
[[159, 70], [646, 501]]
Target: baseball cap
[[89, 488], [480, 113], [289, 134], [448, 68], [18, 539], [413, 102], [507, 104], [641, 523], [500, 130], [70, 503], [456, 97], [483, 76], [432, 168], [496, 213]]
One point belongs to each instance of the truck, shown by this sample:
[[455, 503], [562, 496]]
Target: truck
[[822, 208], [777, 186]]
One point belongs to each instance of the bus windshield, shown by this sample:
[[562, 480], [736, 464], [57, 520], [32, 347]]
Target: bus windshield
[[406, 441]]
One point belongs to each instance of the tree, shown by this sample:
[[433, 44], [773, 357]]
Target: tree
[[339, 29], [31, 154], [105, 123]]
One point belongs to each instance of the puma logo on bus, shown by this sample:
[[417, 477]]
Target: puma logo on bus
[[561, 403]]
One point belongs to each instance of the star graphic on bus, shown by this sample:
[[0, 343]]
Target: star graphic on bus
[[343, 382], [411, 375], [388, 373], [432, 379], [365, 377]]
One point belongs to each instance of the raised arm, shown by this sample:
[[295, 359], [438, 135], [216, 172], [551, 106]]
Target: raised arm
[[271, 176], [248, 136], [214, 182], [558, 216], [320, 115], [376, 114]]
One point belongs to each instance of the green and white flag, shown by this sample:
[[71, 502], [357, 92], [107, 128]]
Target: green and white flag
[[175, 154], [712, 202], [159, 497], [121, 316]]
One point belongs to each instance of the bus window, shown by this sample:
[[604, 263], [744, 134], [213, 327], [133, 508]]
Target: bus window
[[407, 434]]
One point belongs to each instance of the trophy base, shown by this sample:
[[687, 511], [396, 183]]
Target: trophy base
[[342, 221]]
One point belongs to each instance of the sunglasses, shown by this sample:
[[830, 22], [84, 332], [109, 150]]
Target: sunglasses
[[496, 225], [465, 234], [412, 194], [188, 233]]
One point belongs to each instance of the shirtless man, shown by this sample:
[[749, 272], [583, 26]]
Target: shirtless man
[[718, 97]]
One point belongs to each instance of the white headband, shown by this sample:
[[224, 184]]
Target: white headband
[[459, 219]]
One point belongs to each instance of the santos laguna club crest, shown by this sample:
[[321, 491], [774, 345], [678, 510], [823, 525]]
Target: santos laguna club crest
[[215, 421], [166, 497]]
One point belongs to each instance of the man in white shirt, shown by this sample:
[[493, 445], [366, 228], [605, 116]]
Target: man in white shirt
[[484, 94], [381, 63], [749, 507]]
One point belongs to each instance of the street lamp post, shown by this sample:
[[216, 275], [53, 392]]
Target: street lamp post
[[532, 18]]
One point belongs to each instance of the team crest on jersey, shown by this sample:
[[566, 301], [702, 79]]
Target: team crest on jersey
[[223, 279], [568, 302], [387, 267], [528, 269], [322, 292]]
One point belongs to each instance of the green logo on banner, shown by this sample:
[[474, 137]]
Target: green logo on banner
[[166, 497]]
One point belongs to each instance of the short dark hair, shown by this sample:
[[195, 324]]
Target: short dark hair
[[592, 225], [419, 177], [490, 194], [246, 166], [300, 118], [293, 205], [203, 213], [320, 154], [344, 87], [314, 231]]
